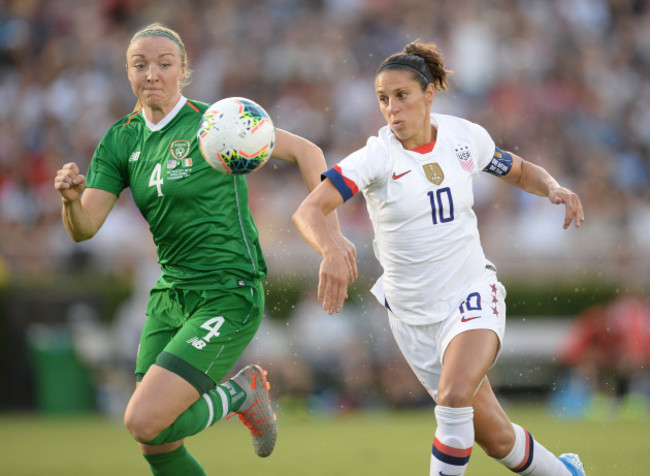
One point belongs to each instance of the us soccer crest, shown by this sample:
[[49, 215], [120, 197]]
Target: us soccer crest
[[464, 157], [434, 173]]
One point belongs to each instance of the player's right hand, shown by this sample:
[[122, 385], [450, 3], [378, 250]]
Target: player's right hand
[[69, 182], [350, 252], [334, 277]]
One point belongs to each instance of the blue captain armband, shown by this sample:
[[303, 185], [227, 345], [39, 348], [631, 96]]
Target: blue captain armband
[[347, 188], [500, 164]]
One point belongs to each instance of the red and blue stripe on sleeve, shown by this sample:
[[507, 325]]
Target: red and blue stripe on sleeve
[[346, 187]]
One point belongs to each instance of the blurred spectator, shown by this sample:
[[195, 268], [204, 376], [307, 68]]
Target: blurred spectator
[[607, 352]]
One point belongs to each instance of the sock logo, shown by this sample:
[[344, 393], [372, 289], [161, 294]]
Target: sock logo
[[234, 395], [230, 388]]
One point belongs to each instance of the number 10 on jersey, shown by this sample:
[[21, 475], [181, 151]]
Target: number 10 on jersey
[[442, 205]]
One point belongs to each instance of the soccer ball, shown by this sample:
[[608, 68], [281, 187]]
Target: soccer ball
[[236, 136]]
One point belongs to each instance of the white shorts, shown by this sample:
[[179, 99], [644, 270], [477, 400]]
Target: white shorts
[[423, 346]]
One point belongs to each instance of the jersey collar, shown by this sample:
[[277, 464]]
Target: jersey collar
[[165, 120]]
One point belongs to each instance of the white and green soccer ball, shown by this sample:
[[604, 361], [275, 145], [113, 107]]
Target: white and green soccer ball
[[236, 135]]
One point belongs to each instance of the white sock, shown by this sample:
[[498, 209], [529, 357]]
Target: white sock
[[528, 457], [453, 441]]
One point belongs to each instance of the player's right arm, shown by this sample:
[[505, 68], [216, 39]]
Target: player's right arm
[[84, 211], [335, 270], [310, 160]]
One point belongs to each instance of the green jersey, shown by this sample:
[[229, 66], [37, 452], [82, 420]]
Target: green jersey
[[199, 218]]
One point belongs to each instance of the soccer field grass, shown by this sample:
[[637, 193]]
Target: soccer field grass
[[372, 443]]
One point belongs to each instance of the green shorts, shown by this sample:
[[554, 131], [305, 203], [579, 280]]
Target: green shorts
[[199, 335]]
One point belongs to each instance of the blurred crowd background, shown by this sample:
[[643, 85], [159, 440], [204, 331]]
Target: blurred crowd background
[[564, 83]]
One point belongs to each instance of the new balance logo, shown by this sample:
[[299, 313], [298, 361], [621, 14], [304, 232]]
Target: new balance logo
[[134, 156], [399, 176], [196, 342]]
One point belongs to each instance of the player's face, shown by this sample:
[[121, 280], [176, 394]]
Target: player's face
[[405, 106], [155, 69]]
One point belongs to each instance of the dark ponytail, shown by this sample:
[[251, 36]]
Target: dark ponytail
[[424, 60]]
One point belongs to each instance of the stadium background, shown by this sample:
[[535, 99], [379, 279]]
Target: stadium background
[[565, 83]]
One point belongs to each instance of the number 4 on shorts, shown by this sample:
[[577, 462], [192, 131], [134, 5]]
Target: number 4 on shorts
[[212, 325]]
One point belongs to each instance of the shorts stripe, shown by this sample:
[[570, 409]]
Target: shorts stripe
[[216, 357]]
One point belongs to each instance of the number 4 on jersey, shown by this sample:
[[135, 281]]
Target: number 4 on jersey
[[156, 179]]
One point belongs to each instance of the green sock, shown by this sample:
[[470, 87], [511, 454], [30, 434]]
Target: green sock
[[207, 410], [178, 461]]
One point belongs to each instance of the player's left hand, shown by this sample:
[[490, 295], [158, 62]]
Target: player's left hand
[[572, 203]]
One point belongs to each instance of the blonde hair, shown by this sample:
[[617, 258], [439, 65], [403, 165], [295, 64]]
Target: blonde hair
[[158, 29]]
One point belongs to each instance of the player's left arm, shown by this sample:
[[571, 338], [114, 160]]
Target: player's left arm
[[305, 154], [310, 160], [535, 179]]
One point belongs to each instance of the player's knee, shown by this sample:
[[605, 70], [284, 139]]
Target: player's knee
[[498, 442], [456, 395], [140, 426]]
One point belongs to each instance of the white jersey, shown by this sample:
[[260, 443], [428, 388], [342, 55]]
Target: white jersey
[[420, 206]]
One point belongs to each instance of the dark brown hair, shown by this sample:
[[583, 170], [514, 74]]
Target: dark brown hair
[[424, 60]]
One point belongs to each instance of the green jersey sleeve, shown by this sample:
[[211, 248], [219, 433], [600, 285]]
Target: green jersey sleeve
[[108, 169]]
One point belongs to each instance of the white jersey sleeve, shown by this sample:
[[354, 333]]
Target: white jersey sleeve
[[491, 159], [361, 169], [484, 146]]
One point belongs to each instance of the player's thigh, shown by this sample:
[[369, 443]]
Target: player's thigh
[[470, 340], [419, 346], [159, 399], [220, 328]]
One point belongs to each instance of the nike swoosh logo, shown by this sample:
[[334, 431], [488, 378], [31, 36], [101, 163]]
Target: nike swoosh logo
[[396, 176], [465, 319], [445, 474]]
